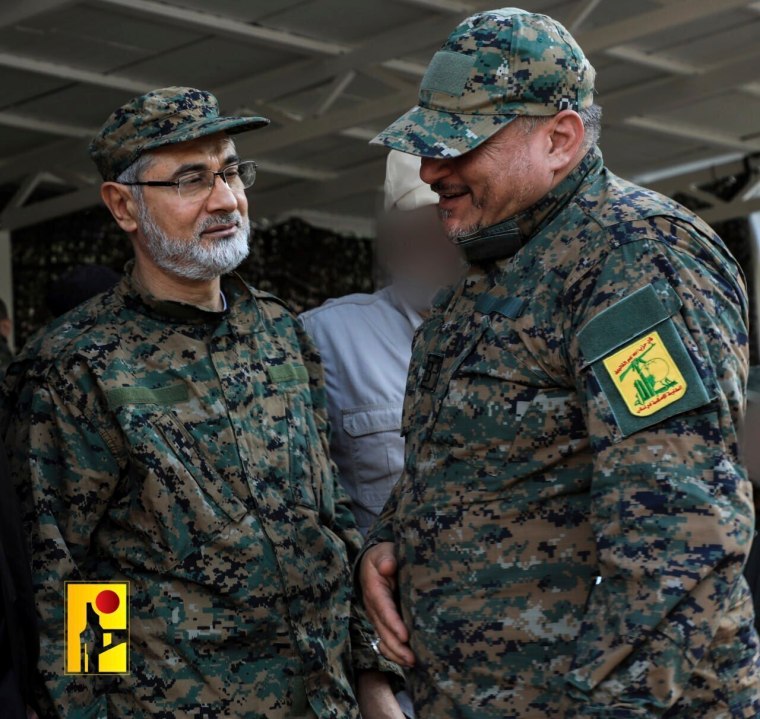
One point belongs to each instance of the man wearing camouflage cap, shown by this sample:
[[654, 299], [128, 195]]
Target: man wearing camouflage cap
[[171, 433], [568, 537]]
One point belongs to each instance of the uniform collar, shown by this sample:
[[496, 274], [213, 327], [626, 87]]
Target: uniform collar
[[504, 239], [234, 288]]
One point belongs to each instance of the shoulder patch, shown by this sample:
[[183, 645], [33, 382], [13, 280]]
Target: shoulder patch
[[640, 361], [646, 375]]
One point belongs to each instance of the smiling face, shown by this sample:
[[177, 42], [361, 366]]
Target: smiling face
[[193, 238], [505, 175]]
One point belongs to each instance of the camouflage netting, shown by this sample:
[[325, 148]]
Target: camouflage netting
[[303, 265]]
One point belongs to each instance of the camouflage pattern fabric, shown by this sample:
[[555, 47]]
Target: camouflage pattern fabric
[[6, 356], [494, 66], [565, 551], [186, 452], [160, 117]]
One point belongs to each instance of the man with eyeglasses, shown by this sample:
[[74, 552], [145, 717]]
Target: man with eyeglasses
[[171, 433]]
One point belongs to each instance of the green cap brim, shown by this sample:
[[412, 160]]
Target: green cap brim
[[436, 133], [206, 126]]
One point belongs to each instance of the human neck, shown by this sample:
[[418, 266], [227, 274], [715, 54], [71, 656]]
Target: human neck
[[163, 286]]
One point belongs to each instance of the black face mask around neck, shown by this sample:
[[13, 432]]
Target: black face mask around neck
[[492, 243]]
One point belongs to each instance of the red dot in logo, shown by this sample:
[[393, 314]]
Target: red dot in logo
[[107, 601]]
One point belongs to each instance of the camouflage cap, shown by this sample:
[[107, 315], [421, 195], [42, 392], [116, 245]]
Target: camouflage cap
[[158, 118], [495, 66]]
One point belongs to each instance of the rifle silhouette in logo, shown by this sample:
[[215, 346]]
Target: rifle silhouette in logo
[[92, 641]]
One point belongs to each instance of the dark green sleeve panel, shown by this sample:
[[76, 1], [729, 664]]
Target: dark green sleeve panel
[[633, 322]]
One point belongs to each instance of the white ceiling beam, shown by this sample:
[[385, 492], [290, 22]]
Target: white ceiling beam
[[378, 49], [685, 173], [450, 6], [13, 12], [580, 15], [366, 177], [14, 218], [211, 24], [72, 74], [50, 158], [673, 92], [654, 60], [51, 127], [687, 131], [66, 153], [25, 190], [406, 67], [254, 143], [653, 21], [729, 211], [336, 89], [364, 134]]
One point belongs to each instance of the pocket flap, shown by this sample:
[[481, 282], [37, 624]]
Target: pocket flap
[[370, 419], [626, 320]]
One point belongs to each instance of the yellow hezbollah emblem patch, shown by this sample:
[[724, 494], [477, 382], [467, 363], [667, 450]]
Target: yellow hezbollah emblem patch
[[646, 375]]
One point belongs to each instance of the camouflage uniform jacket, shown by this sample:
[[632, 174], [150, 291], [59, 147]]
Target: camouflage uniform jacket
[[6, 356], [563, 551], [186, 451]]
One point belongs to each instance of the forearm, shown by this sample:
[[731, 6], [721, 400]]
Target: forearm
[[672, 537]]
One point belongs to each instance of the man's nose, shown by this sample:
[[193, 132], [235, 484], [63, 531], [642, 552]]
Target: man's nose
[[221, 197], [433, 170]]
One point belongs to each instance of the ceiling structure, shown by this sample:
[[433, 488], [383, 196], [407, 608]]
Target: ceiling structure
[[679, 81]]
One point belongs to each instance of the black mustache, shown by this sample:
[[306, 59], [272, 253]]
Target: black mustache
[[443, 188]]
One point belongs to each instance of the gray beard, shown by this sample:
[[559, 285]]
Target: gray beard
[[194, 259]]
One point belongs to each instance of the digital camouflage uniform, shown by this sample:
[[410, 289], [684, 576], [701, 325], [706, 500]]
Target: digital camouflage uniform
[[6, 356], [573, 517], [185, 451]]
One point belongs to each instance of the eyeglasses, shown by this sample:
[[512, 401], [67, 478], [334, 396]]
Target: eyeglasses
[[195, 185]]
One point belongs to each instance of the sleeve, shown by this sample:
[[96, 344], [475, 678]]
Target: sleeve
[[659, 348], [65, 474], [342, 519]]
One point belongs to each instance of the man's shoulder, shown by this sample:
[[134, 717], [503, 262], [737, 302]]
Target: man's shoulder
[[612, 201], [271, 304], [75, 331]]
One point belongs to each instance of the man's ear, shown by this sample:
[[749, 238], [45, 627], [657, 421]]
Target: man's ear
[[566, 135], [121, 202]]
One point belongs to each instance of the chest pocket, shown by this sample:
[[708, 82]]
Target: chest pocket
[[176, 500], [488, 393], [377, 453]]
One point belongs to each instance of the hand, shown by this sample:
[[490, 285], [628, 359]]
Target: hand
[[376, 700], [377, 576], [30, 713]]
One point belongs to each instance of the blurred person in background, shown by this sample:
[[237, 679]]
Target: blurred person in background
[[366, 339], [366, 342]]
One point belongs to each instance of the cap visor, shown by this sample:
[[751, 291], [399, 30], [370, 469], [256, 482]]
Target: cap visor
[[204, 127], [435, 133]]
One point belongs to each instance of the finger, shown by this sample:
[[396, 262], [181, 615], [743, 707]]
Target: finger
[[395, 650], [389, 626], [385, 614], [381, 605]]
